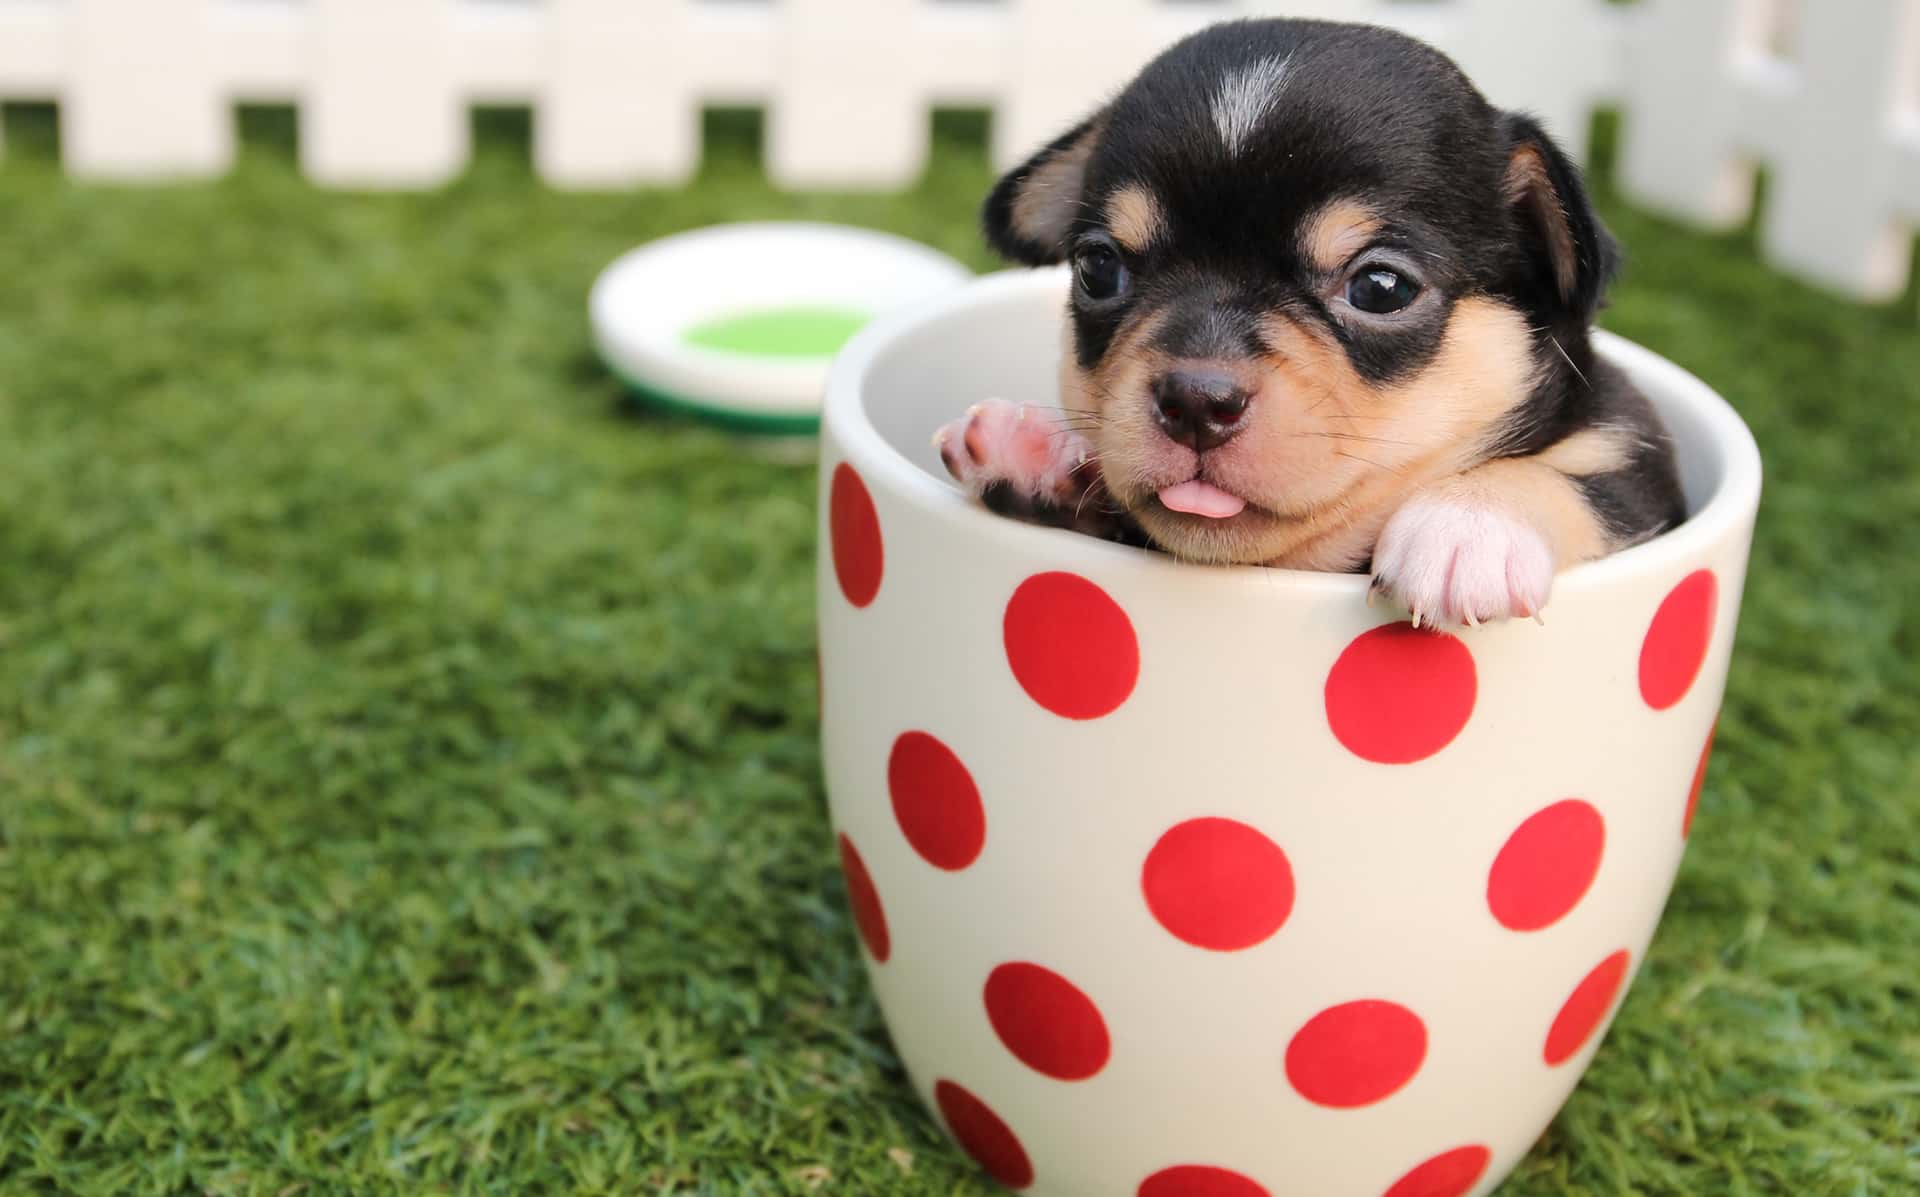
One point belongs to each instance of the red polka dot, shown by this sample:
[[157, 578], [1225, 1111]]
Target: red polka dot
[[1547, 865], [1585, 1008], [935, 801], [1071, 646], [1046, 1021], [1399, 695], [1356, 1054], [982, 1135], [1198, 1180], [1676, 643], [1699, 779], [1218, 884], [1450, 1174], [855, 529], [865, 900]]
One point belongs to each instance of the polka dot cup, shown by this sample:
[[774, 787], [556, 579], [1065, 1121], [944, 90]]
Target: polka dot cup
[[1191, 882]]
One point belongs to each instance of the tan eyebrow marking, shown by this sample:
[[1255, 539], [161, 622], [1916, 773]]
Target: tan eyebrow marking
[[1337, 232], [1135, 218]]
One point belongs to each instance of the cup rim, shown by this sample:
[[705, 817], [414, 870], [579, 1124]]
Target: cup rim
[[887, 470]]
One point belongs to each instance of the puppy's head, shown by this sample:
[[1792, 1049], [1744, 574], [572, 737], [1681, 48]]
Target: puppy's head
[[1312, 267]]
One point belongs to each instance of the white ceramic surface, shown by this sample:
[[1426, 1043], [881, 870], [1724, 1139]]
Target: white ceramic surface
[[1176, 881], [642, 305]]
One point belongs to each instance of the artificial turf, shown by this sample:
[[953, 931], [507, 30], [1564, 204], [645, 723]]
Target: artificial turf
[[408, 778]]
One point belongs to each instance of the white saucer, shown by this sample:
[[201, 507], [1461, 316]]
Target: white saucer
[[739, 323]]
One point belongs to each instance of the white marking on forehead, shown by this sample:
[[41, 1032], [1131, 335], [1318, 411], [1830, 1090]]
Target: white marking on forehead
[[1246, 98]]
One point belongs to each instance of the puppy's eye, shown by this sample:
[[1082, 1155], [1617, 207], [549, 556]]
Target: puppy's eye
[[1099, 272], [1380, 291]]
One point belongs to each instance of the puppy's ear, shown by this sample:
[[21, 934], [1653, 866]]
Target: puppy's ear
[[1572, 253], [1031, 210]]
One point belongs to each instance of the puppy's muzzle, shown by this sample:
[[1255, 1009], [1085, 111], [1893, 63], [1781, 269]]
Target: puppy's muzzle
[[1199, 407]]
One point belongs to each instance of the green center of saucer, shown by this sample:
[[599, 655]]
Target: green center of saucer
[[802, 330]]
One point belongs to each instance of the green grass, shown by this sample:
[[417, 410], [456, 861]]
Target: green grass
[[408, 777]]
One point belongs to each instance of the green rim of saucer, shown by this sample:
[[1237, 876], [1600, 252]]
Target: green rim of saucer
[[733, 419]]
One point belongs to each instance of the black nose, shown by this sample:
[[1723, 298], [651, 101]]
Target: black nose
[[1199, 407]]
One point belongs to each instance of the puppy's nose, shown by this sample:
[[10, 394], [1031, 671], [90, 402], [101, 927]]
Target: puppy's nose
[[1199, 407]]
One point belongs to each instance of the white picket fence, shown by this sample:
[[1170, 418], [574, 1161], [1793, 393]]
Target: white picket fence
[[147, 88]]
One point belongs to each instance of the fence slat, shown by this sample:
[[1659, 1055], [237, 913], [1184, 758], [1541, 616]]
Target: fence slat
[[973, 52], [1765, 91], [33, 53], [380, 108], [33, 48], [1556, 62], [1378, 12], [260, 48], [1906, 179], [1049, 89], [849, 107], [1831, 214], [1681, 56], [129, 111], [735, 45], [500, 50], [618, 106]]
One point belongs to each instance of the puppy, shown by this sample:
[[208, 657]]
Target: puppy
[[1330, 310]]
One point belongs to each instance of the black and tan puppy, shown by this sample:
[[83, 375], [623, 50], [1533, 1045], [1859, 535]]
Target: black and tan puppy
[[1330, 310]]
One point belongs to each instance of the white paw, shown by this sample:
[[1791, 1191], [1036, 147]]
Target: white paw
[[1451, 561], [1028, 455]]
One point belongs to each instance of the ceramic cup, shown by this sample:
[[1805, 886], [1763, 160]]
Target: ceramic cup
[[1183, 881]]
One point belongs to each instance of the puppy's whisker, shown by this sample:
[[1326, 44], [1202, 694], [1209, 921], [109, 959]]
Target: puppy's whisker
[[1080, 508], [1396, 470], [1559, 349], [1355, 436]]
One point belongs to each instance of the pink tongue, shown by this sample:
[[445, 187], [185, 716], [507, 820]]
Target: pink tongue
[[1202, 498]]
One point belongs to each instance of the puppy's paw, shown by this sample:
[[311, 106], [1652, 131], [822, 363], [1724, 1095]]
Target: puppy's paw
[[1018, 458], [1456, 561]]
